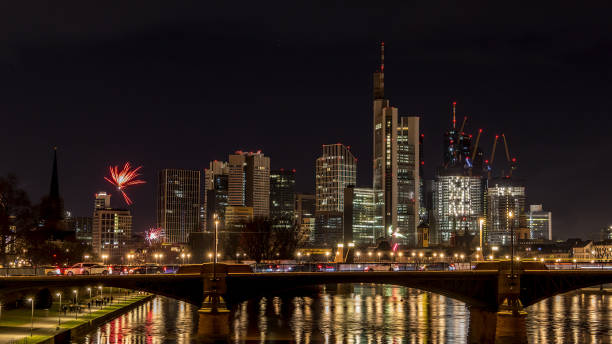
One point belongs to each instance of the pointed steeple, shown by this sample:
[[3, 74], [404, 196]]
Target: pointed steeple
[[54, 190]]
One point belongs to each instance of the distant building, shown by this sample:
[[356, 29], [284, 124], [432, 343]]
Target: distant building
[[540, 222], [282, 198], [249, 182], [111, 230], [457, 207], [305, 206], [504, 196], [329, 228], [362, 215], [178, 204], [236, 216], [396, 161], [102, 200], [335, 170], [83, 228], [216, 193]]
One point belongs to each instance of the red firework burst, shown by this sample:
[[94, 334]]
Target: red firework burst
[[124, 178]]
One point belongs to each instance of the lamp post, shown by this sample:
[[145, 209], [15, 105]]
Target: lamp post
[[32, 316], [183, 258], [216, 243], [101, 294], [104, 256], [59, 310], [188, 258], [511, 216], [480, 223], [89, 302], [76, 302]]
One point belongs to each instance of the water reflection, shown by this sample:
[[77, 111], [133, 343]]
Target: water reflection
[[366, 313]]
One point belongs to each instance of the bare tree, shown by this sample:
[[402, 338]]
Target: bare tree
[[16, 217]]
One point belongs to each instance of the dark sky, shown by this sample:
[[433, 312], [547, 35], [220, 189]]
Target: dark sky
[[180, 84]]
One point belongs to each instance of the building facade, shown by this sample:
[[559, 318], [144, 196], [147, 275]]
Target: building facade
[[111, 229], [305, 207], [236, 216], [396, 161], [504, 197], [457, 207], [363, 223], [215, 193], [335, 170], [249, 182], [82, 227], [178, 204], [282, 198], [539, 222]]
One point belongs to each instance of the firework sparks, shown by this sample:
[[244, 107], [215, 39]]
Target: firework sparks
[[154, 235], [124, 178]]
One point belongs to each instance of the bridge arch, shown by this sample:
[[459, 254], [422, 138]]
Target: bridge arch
[[474, 289]]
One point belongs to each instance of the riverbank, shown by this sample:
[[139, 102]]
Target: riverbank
[[16, 325]]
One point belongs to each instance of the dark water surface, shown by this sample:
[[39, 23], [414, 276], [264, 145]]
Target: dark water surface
[[364, 313]]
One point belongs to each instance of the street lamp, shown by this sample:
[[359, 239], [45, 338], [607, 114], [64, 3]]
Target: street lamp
[[183, 258], [76, 302], [104, 259], [188, 258], [511, 217], [59, 310], [480, 223], [216, 242], [327, 254], [86, 257], [89, 302], [32, 317]]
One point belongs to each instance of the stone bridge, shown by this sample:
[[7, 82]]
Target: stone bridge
[[488, 289]]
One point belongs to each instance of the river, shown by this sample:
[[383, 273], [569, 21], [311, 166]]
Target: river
[[365, 313]]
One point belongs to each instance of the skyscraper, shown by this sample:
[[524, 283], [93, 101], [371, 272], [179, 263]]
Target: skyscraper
[[335, 170], [111, 229], [249, 182], [458, 190], [503, 196], [305, 207], [362, 215], [540, 222], [282, 198], [178, 204], [457, 207], [215, 193], [396, 164]]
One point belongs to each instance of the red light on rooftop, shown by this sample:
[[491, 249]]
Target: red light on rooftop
[[422, 162], [513, 159], [293, 170], [480, 130], [496, 136], [454, 103]]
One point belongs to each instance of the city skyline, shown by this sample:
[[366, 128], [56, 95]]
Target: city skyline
[[536, 108]]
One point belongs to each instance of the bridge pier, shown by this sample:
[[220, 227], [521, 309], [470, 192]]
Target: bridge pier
[[508, 291], [214, 316]]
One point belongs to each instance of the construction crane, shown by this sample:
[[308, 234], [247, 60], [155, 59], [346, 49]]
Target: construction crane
[[492, 156], [476, 145], [511, 161], [463, 124]]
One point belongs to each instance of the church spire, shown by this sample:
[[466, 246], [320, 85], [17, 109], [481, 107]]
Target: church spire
[[54, 190]]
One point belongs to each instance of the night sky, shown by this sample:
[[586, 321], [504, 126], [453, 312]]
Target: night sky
[[177, 85]]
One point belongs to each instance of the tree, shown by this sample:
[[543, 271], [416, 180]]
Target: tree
[[260, 239], [255, 239], [16, 218]]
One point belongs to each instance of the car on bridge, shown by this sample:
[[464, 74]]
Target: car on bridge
[[88, 269], [145, 269], [53, 270]]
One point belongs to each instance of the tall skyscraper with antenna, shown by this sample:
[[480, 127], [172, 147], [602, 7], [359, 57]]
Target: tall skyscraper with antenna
[[395, 163]]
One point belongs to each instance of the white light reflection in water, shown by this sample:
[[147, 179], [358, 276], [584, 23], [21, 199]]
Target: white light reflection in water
[[360, 313]]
